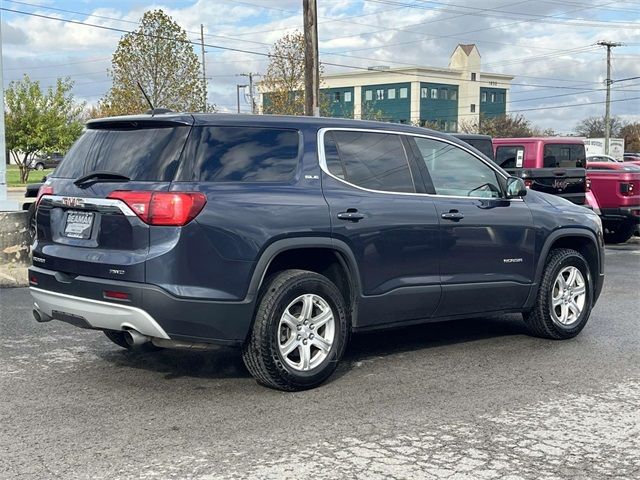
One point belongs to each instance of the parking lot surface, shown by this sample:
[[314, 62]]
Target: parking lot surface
[[472, 399]]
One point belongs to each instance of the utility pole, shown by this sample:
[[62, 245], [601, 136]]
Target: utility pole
[[250, 75], [607, 111], [238, 87], [204, 70], [4, 203], [311, 62]]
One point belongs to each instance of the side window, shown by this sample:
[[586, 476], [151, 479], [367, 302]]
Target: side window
[[455, 172], [243, 154], [510, 157], [376, 161]]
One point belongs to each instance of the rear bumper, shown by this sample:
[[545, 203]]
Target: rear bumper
[[621, 214], [149, 309]]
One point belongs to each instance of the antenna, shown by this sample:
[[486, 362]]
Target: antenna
[[145, 97]]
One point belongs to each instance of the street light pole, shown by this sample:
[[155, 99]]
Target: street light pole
[[238, 87]]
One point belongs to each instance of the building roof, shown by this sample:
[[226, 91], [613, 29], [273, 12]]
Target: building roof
[[414, 70], [466, 47]]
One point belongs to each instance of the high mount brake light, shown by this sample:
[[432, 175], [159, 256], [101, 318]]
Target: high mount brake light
[[163, 208]]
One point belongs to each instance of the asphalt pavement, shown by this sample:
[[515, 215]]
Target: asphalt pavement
[[472, 399]]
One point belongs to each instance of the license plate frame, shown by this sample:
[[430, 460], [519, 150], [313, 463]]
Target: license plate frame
[[78, 224]]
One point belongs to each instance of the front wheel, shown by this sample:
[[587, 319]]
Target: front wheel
[[299, 333], [39, 166], [564, 300]]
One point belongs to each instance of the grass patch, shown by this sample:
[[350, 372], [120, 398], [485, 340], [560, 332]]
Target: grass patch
[[13, 176]]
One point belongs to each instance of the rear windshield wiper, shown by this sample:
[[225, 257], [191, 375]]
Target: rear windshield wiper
[[99, 177]]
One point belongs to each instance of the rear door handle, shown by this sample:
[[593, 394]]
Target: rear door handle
[[351, 215], [453, 216]]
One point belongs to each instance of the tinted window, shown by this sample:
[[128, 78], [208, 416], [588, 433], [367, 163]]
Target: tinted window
[[510, 157], [142, 154], [371, 160], [242, 154], [564, 155], [484, 145], [456, 172]]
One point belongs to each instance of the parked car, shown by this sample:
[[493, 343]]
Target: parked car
[[548, 164], [283, 235], [632, 157], [482, 143], [617, 190], [602, 158], [48, 161]]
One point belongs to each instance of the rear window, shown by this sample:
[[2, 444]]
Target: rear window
[[564, 156], [484, 145], [142, 154], [242, 154]]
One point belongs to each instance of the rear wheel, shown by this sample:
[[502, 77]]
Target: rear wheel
[[39, 166], [299, 333], [564, 297], [619, 233]]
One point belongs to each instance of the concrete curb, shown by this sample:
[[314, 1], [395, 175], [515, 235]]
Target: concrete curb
[[13, 276]]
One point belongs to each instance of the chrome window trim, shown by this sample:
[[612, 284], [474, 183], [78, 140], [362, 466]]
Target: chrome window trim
[[57, 200], [323, 161]]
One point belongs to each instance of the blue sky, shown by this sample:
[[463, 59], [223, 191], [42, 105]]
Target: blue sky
[[548, 45]]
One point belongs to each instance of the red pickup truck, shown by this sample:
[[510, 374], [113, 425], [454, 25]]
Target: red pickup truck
[[616, 186]]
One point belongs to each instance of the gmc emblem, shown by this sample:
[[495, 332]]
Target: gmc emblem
[[72, 201]]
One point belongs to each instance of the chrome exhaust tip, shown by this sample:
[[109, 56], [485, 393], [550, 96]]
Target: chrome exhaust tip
[[41, 317], [135, 338]]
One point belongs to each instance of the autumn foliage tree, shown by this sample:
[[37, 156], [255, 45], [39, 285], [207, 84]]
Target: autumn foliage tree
[[40, 121], [159, 56]]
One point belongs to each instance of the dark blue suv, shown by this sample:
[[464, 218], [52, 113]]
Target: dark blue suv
[[282, 235]]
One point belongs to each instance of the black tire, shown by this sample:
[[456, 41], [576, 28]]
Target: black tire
[[261, 353], [540, 320], [31, 216], [39, 166], [619, 233]]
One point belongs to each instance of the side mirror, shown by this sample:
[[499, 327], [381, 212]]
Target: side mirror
[[515, 187]]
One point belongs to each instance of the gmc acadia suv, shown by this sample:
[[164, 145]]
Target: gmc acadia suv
[[283, 235]]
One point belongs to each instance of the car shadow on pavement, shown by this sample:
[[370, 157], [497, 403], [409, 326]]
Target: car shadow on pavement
[[226, 362]]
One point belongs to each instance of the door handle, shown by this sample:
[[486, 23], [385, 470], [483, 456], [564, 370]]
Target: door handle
[[351, 215], [453, 215]]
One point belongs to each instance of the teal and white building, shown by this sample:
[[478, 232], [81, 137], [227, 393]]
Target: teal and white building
[[420, 95]]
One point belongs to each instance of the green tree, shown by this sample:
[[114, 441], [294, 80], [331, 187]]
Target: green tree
[[159, 56], [593, 127], [40, 121]]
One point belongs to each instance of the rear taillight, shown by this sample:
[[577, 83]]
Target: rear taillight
[[627, 189], [587, 185], [163, 208], [43, 190], [528, 183]]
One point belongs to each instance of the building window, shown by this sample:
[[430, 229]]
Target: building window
[[453, 126], [443, 93], [424, 92], [500, 97], [493, 98], [473, 108], [336, 96], [380, 94], [453, 95], [404, 92], [391, 93], [483, 97], [347, 97], [473, 77], [434, 93], [368, 95]]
